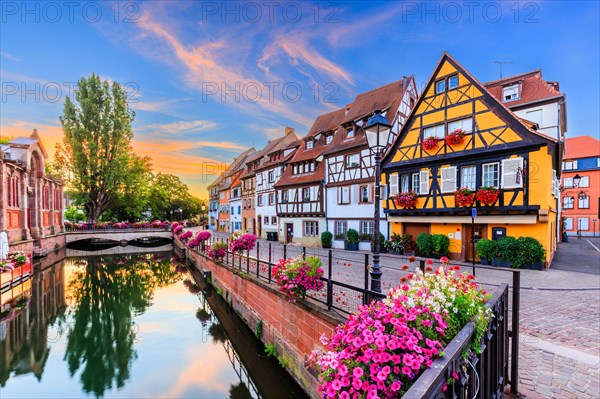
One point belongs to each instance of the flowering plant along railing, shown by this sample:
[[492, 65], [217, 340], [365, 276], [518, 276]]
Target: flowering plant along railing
[[463, 197], [456, 137], [242, 242], [407, 199], [487, 195], [430, 143], [296, 276]]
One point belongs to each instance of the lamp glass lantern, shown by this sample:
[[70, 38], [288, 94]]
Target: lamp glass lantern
[[378, 132], [576, 180]]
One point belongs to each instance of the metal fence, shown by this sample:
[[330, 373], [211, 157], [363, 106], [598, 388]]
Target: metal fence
[[346, 297]]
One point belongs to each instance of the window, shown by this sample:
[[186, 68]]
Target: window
[[295, 170], [491, 175], [534, 116], [260, 200], [415, 182], [349, 133], [510, 93], [568, 182], [274, 220], [584, 182], [512, 172], [440, 86], [311, 229], [309, 144], [467, 177], [266, 221], [286, 196], [312, 166], [271, 176], [453, 82], [394, 184], [583, 224], [584, 203], [306, 194], [239, 210], [353, 161], [448, 179], [343, 195], [436, 131], [366, 227], [568, 202], [404, 183], [569, 165], [340, 229], [424, 182], [365, 194], [568, 223], [328, 139], [464, 124]]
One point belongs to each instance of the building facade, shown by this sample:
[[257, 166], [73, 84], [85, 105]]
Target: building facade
[[349, 163], [213, 203], [496, 149], [581, 186], [31, 202], [235, 206]]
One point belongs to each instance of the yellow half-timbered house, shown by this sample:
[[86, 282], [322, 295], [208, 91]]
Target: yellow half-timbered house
[[459, 136]]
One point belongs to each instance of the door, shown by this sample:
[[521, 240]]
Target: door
[[259, 226], [289, 236], [480, 231]]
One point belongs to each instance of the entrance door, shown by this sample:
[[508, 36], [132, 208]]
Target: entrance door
[[259, 226], [480, 231], [289, 237]]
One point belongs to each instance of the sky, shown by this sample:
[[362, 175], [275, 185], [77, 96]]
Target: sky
[[209, 79]]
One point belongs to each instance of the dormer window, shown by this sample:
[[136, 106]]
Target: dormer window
[[329, 139], [510, 93], [309, 144], [349, 133]]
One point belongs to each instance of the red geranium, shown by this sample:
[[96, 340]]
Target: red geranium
[[430, 143], [408, 199], [487, 195], [456, 137], [464, 197]]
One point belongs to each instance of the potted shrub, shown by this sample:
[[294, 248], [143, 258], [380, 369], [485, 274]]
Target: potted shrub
[[485, 250], [425, 245], [382, 248], [487, 195], [217, 251], [352, 240], [506, 248], [395, 245], [441, 245], [408, 244], [326, 238], [529, 255]]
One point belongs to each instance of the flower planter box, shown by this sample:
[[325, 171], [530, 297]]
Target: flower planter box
[[498, 263], [351, 246]]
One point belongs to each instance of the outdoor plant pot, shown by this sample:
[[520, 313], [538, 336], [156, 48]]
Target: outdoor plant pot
[[351, 246], [565, 237], [485, 261], [498, 263], [534, 266], [327, 246]]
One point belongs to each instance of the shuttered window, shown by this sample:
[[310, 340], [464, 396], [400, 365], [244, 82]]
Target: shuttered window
[[448, 179], [415, 182], [424, 182], [394, 184], [404, 183], [512, 173], [343, 195]]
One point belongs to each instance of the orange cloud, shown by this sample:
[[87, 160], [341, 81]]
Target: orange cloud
[[50, 134]]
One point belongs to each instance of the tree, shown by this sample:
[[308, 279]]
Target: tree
[[97, 143]]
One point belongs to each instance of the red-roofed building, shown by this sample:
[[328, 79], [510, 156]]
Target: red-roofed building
[[581, 185], [532, 98]]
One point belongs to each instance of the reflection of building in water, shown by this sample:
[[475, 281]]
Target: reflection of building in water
[[24, 336]]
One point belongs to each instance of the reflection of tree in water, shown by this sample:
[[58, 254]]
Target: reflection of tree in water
[[108, 291], [217, 332], [239, 391]]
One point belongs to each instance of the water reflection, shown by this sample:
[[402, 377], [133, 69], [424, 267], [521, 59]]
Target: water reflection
[[108, 292]]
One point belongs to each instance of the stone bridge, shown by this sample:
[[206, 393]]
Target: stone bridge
[[117, 235]]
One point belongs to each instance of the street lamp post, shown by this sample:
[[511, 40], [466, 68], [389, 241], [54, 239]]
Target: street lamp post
[[378, 132]]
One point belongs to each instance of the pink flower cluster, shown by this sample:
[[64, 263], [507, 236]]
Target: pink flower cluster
[[7, 265], [380, 350], [178, 229], [296, 276], [120, 225], [217, 251], [243, 242], [139, 225], [186, 235], [174, 225], [204, 235]]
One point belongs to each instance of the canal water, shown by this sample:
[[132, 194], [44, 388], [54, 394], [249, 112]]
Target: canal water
[[129, 326]]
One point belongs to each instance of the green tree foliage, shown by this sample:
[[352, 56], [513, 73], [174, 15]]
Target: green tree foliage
[[97, 143], [74, 214]]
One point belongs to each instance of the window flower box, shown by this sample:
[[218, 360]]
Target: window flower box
[[487, 195], [456, 137], [430, 143], [407, 199], [463, 197]]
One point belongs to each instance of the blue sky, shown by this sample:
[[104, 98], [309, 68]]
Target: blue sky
[[210, 79]]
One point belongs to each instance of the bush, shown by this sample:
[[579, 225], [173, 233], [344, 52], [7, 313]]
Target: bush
[[366, 237], [425, 244], [441, 244], [326, 238], [506, 248], [485, 248], [352, 236], [408, 243], [529, 251]]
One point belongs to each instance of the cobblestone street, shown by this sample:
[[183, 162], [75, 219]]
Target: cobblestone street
[[559, 315]]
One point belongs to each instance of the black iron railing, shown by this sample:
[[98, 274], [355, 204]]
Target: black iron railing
[[346, 297]]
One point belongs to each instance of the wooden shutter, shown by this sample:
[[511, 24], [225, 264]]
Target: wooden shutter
[[555, 184], [512, 173], [394, 184], [448, 179], [424, 182]]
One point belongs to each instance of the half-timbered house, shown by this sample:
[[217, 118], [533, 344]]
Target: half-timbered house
[[301, 188], [267, 174], [255, 162], [230, 176], [213, 203], [349, 163], [460, 136]]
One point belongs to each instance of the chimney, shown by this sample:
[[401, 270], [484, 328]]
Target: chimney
[[289, 130], [347, 108]]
